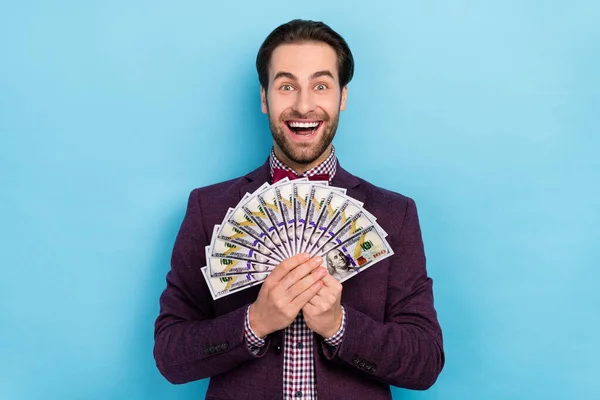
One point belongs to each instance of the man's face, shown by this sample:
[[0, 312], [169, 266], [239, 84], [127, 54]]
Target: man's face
[[303, 100], [337, 259]]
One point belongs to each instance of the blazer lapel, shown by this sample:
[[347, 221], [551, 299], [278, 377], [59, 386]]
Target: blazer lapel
[[351, 183], [255, 178]]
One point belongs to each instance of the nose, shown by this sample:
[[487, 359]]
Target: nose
[[304, 102]]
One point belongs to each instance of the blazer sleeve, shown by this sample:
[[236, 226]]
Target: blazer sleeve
[[190, 343], [406, 349]]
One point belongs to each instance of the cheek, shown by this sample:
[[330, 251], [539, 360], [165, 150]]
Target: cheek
[[279, 103], [331, 105]]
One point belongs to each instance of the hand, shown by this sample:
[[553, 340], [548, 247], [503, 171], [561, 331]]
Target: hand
[[323, 313], [285, 291]]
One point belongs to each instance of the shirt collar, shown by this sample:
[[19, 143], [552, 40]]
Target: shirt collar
[[329, 166]]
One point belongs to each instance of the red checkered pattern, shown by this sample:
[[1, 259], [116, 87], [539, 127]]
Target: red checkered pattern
[[299, 381], [329, 166], [336, 339], [253, 341], [298, 362]]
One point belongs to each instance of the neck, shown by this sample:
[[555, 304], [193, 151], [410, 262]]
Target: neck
[[297, 167]]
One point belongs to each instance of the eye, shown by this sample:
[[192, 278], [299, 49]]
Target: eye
[[321, 86], [286, 88]]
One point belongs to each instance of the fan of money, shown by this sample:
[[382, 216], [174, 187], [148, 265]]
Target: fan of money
[[287, 218]]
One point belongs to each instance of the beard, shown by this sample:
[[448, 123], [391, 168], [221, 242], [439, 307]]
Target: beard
[[304, 153]]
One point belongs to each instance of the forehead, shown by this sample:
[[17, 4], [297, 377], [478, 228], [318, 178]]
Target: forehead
[[334, 253], [303, 59]]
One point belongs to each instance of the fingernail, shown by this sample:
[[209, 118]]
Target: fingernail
[[317, 260], [305, 256]]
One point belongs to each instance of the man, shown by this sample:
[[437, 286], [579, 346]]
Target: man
[[302, 334]]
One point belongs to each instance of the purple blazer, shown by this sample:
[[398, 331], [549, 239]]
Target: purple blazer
[[392, 334]]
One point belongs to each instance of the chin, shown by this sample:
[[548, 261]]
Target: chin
[[303, 154]]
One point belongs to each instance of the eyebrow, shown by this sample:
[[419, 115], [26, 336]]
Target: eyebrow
[[319, 74], [289, 75], [282, 74]]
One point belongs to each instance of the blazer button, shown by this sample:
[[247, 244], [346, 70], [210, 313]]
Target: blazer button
[[373, 368], [356, 360], [225, 346], [278, 349], [362, 364], [207, 351]]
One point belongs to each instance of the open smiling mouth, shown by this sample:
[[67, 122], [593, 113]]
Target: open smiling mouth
[[304, 128]]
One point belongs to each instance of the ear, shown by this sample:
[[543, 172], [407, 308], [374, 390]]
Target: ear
[[263, 100], [344, 97]]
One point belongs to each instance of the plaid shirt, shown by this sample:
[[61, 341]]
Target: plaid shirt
[[329, 166], [299, 380]]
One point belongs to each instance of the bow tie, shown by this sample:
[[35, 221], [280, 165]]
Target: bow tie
[[279, 174]]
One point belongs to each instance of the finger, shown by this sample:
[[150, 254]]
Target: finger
[[301, 271], [309, 308], [302, 299], [315, 302], [330, 282], [303, 284], [286, 266], [327, 296]]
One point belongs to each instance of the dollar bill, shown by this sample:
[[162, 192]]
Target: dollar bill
[[284, 195], [300, 196], [271, 206], [317, 197], [218, 266], [240, 220], [232, 234], [334, 203], [257, 213], [221, 248], [356, 223], [225, 285], [359, 252]]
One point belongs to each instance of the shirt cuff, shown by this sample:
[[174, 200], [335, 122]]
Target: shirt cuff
[[253, 342], [336, 339]]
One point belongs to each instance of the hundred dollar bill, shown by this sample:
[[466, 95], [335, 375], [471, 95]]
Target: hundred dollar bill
[[225, 285], [345, 212], [317, 197], [356, 254], [257, 213], [228, 266], [360, 220], [243, 221], [225, 249], [230, 233], [240, 220], [271, 206], [334, 203], [284, 195], [300, 202]]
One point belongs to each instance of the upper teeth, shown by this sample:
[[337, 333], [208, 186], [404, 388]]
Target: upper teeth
[[304, 124]]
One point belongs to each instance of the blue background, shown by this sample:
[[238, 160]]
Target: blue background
[[486, 113]]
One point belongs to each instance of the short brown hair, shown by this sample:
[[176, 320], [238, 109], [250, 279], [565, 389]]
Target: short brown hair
[[300, 31]]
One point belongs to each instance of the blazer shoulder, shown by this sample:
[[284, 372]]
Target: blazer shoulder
[[231, 188]]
